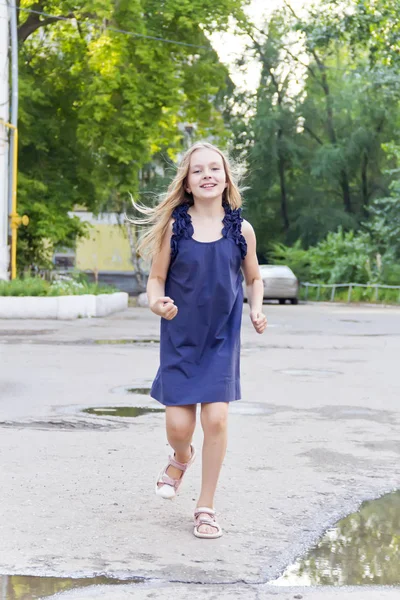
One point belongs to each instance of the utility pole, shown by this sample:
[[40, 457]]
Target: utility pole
[[4, 154]]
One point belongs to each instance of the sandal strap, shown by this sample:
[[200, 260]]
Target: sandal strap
[[204, 509], [172, 462], [204, 521], [167, 480], [210, 523], [181, 466]]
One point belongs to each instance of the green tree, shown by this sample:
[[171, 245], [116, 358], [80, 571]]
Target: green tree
[[272, 155], [372, 25], [325, 135], [97, 104]]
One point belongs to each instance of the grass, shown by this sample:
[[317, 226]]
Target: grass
[[358, 294], [35, 286]]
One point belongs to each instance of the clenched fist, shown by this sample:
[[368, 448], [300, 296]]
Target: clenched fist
[[164, 307], [259, 321]]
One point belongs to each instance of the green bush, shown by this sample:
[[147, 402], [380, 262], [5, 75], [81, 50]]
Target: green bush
[[77, 288], [342, 257], [35, 286], [358, 294], [294, 257], [30, 286], [389, 296], [390, 272]]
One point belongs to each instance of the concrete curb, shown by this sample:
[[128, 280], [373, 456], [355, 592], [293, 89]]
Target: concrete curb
[[62, 307]]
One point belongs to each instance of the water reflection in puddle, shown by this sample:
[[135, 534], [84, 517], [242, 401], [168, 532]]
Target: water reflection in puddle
[[361, 549], [310, 372], [128, 341], [138, 411], [25, 587], [125, 411], [122, 411], [245, 408]]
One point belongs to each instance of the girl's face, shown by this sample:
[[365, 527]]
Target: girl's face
[[206, 177]]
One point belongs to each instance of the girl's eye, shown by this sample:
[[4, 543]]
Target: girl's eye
[[215, 168], [196, 171]]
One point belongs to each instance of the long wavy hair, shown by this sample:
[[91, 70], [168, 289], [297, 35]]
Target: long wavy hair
[[157, 218]]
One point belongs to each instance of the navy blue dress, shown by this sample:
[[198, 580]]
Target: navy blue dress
[[200, 347]]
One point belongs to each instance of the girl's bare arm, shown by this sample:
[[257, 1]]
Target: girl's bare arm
[[161, 305], [254, 283]]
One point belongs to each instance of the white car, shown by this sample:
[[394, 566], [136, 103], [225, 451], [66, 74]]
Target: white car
[[280, 283]]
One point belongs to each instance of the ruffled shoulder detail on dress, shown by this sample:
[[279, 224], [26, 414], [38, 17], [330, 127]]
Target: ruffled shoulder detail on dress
[[182, 227], [233, 228]]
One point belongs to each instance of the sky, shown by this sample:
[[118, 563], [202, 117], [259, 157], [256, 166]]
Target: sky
[[231, 47]]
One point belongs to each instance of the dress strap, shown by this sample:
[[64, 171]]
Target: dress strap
[[182, 227], [233, 228]]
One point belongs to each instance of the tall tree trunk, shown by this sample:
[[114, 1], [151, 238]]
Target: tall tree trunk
[[364, 181], [131, 231], [282, 183], [132, 236], [344, 180], [344, 184]]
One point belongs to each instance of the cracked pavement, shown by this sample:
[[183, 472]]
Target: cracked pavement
[[316, 433]]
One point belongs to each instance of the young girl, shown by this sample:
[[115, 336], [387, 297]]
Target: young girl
[[199, 245]]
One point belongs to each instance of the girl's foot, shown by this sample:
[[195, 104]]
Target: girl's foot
[[170, 477], [205, 523]]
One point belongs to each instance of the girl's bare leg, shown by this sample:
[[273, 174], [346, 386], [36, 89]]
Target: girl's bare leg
[[180, 423], [214, 420]]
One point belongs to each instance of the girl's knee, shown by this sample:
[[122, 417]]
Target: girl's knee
[[215, 421], [180, 432]]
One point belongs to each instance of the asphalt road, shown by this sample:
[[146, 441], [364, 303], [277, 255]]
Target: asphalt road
[[316, 433]]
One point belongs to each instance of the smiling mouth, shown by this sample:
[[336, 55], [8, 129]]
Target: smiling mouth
[[207, 186]]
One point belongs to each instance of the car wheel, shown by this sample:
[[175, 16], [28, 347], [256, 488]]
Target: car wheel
[[294, 300], [282, 300]]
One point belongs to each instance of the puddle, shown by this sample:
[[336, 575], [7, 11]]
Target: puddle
[[145, 391], [361, 549], [125, 411], [354, 321], [356, 412], [122, 411], [59, 425], [238, 408], [310, 372], [369, 334], [129, 341], [25, 332], [78, 342], [138, 411], [25, 587], [347, 361]]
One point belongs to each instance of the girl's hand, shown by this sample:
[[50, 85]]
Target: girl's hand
[[164, 307], [259, 321]]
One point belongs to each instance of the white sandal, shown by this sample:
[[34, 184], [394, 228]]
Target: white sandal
[[206, 516], [169, 487]]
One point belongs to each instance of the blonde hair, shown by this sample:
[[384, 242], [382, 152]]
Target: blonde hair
[[159, 216]]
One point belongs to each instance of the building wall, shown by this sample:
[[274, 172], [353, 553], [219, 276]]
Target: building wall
[[106, 248]]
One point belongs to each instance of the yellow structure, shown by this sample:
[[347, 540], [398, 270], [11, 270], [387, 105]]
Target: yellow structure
[[105, 249], [15, 219]]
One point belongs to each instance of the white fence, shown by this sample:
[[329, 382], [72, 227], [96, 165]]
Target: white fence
[[351, 286]]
